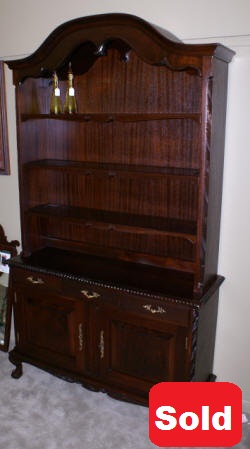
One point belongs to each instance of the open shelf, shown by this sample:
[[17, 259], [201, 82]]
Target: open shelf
[[155, 241], [111, 117], [57, 164], [160, 224]]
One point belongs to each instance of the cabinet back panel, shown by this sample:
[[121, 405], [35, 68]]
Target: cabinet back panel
[[113, 85], [165, 196], [119, 238], [171, 143]]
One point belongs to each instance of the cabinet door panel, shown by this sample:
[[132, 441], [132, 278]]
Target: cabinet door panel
[[140, 352], [50, 328]]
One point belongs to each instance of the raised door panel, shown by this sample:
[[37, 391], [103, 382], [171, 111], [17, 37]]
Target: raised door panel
[[138, 352], [50, 328]]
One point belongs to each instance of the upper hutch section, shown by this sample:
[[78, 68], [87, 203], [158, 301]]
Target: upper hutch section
[[132, 175]]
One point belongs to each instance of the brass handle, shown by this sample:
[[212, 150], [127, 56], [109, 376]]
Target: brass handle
[[35, 281], [90, 295], [101, 345], [80, 337], [151, 309]]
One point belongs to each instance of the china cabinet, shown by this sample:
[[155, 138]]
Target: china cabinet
[[117, 285]]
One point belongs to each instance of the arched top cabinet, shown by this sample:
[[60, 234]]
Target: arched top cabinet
[[125, 193]]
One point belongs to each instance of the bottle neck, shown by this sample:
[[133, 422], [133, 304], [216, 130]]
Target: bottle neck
[[55, 81], [70, 80]]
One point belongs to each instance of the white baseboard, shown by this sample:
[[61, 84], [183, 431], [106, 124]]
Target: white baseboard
[[246, 406]]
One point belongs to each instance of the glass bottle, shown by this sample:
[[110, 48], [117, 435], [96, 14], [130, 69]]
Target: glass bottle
[[70, 99], [55, 104]]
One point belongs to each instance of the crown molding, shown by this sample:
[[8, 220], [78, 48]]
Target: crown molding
[[239, 43]]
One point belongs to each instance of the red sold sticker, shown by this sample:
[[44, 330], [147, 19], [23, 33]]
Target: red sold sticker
[[197, 414]]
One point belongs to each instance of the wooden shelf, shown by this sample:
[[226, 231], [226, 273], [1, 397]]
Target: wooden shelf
[[124, 236], [89, 216], [119, 117], [110, 168]]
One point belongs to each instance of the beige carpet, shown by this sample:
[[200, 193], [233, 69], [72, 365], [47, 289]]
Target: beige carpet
[[40, 411]]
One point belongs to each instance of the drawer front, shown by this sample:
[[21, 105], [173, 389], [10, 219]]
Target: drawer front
[[157, 309], [89, 293], [36, 279]]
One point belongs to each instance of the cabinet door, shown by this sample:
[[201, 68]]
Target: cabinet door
[[136, 352], [50, 328]]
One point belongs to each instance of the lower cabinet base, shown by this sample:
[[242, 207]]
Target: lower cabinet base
[[91, 384], [88, 383], [110, 338]]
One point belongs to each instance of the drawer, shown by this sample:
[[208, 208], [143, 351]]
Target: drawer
[[89, 293], [157, 309], [36, 279]]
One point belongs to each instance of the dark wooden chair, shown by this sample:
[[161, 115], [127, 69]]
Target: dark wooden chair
[[7, 250]]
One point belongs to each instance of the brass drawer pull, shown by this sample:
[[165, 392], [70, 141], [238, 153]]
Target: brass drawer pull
[[151, 309], [35, 281], [90, 295]]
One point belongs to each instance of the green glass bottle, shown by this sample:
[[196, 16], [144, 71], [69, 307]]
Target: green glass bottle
[[70, 99], [55, 104]]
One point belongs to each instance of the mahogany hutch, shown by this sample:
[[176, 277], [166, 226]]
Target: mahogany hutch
[[117, 285]]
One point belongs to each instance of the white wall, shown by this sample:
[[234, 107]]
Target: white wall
[[24, 24]]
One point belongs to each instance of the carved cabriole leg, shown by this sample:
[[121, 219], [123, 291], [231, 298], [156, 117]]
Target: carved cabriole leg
[[18, 371]]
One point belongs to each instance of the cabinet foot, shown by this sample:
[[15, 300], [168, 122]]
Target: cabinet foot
[[212, 378], [18, 371]]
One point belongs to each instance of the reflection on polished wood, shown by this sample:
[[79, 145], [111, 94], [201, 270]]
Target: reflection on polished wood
[[4, 150]]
